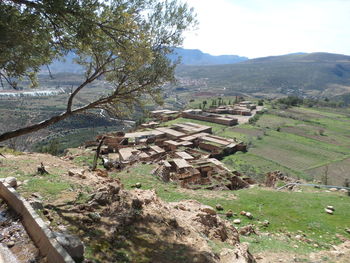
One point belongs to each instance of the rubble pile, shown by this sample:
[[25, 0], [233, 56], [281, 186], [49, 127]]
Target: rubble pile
[[186, 153]]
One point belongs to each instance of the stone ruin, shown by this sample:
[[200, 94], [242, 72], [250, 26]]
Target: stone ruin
[[186, 153]]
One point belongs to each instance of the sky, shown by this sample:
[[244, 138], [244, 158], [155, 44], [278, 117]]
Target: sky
[[258, 28]]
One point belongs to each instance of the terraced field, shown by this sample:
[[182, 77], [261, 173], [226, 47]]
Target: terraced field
[[309, 143], [303, 142]]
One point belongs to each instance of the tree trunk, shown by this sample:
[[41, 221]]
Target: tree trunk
[[97, 154], [22, 131]]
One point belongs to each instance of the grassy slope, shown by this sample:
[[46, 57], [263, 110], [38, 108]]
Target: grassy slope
[[288, 212]]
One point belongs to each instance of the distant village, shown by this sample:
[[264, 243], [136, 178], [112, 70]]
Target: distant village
[[186, 153]]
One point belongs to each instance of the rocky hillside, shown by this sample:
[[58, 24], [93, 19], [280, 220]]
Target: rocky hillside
[[118, 225]]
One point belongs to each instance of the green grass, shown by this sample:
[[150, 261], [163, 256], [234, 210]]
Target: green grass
[[48, 186], [287, 212]]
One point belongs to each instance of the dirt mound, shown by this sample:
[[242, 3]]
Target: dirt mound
[[137, 226], [188, 224], [118, 225]]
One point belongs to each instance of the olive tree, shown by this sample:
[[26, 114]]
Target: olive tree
[[124, 42]]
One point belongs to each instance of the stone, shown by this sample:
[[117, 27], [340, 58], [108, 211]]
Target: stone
[[72, 244], [101, 198], [77, 172], [298, 237], [37, 204], [136, 204], [101, 173], [95, 216], [328, 211], [343, 190], [330, 207], [247, 230], [229, 213], [219, 207], [237, 221], [242, 213], [138, 185], [347, 230], [333, 189], [10, 244], [265, 223], [208, 209], [11, 181], [249, 215]]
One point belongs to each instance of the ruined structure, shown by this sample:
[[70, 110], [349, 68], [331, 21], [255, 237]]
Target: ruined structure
[[185, 153], [165, 114], [209, 117]]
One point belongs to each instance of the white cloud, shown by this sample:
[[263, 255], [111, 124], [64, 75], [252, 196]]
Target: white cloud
[[256, 28]]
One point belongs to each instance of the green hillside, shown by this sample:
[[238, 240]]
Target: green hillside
[[315, 74]]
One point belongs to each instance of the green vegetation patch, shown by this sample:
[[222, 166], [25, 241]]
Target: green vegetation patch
[[288, 212]]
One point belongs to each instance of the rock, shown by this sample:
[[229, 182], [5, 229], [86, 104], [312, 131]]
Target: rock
[[95, 216], [265, 223], [240, 254], [11, 181], [37, 204], [136, 204], [76, 172], [229, 213], [102, 198], [247, 230], [10, 244], [298, 237], [219, 207], [138, 185], [242, 213], [343, 190], [328, 211], [208, 209], [249, 215], [237, 221], [347, 230], [333, 189], [72, 244], [330, 207], [101, 173]]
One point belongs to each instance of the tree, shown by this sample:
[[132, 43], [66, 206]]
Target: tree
[[124, 42]]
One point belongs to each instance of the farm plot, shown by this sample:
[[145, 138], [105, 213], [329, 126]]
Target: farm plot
[[273, 121], [317, 133], [336, 172], [257, 166], [296, 152]]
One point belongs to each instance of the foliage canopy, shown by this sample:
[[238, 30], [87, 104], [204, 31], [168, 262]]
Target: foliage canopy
[[124, 42]]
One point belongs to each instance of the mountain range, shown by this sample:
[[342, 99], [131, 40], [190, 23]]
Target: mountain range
[[186, 56], [302, 74]]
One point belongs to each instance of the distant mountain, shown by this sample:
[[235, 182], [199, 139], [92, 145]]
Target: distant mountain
[[302, 74], [197, 57], [64, 65], [187, 56]]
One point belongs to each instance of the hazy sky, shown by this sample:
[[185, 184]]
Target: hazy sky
[[256, 28]]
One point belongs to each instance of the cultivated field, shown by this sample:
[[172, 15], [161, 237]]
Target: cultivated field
[[309, 143]]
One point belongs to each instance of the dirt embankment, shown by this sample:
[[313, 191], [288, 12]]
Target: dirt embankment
[[118, 225]]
